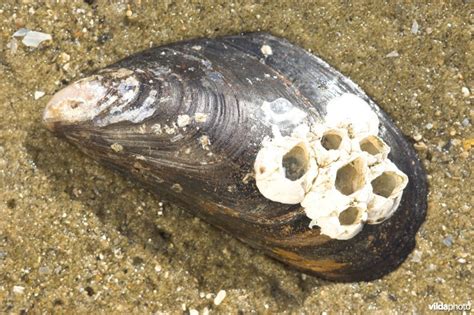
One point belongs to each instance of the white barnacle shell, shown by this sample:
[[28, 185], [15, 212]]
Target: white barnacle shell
[[338, 200], [333, 144], [375, 149], [353, 113], [285, 169], [387, 184]]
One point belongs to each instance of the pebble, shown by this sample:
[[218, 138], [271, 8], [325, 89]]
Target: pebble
[[465, 122], [43, 270], [417, 137], [416, 256], [65, 58], [432, 267], [456, 142], [414, 27], [12, 45], [448, 241], [220, 297], [461, 260], [193, 312], [18, 289], [429, 126], [420, 146], [465, 91], [39, 94], [393, 54]]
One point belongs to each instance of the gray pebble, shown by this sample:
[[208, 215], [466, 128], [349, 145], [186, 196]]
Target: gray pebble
[[448, 241], [43, 270]]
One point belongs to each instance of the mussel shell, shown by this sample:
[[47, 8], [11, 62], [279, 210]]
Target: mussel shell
[[228, 79]]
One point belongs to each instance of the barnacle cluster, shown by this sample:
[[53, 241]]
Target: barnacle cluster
[[338, 170]]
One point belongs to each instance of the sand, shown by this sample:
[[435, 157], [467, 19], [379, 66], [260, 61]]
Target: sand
[[75, 236]]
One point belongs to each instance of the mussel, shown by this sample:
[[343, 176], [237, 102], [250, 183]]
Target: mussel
[[261, 139]]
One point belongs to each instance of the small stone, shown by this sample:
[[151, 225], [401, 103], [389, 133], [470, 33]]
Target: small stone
[[18, 289], [417, 137], [432, 267], [393, 54], [414, 27], [448, 241], [220, 297], [465, 91], [266, 50], [43, 270], [205, 311], [416, 256], [420, 146], [467, 144], [429, 126], [465, 122], [456, 142], [461, 260], [64, 58], [38, 95], [196, 47], [429, 30], [13, 45], [116, 147], [157, 268], [193, 312]]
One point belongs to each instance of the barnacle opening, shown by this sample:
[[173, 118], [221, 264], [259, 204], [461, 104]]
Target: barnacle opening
[[372, 145], [350, 216], [350, 177], [331, 140], [296, 162], [386, 184]]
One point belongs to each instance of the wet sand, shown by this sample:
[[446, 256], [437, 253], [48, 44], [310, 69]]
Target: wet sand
[[75, 236]]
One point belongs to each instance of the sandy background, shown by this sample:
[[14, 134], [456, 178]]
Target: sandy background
[[76, 236]]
